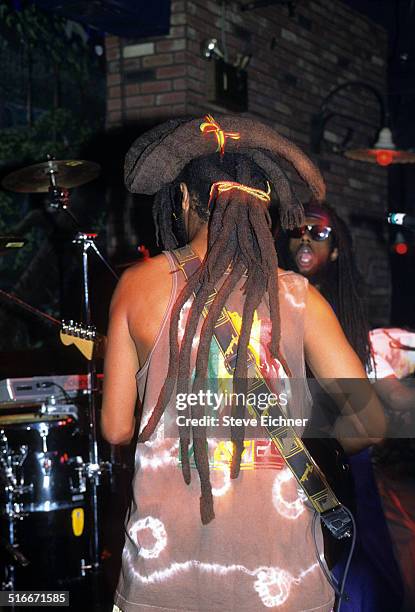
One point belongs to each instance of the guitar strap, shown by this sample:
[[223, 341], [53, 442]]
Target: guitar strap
[[291, 447]]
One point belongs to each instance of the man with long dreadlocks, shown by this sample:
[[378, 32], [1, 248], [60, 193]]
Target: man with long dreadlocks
[[322, 251], [238, 537]]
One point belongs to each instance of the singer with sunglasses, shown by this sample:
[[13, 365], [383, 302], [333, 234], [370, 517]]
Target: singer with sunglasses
[[322, 251]]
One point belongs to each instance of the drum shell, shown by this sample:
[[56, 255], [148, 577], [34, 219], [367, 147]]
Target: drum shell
[[52, 473], [49, 542]]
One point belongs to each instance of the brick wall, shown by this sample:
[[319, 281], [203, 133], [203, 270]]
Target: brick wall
[[295, 62]]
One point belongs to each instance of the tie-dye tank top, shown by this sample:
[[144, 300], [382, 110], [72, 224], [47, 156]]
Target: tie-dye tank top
[[258, 552]]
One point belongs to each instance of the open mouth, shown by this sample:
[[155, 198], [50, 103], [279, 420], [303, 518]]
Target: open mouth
[[305, 258]]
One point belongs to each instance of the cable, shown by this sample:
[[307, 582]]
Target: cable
[[330, 578], [65, 393], [349, 559], [48, 384]]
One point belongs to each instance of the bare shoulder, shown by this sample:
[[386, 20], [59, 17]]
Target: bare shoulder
[[315, 301], [141, 300], [139, 280], [318, 311]]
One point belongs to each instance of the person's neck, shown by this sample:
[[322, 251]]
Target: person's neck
[[199, 242]]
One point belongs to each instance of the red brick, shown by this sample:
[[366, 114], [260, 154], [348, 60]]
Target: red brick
[[177, 32], [165, 46], [196, 73], [113, 53], [133, 114], [171, 72], [133, 63], [149, 112], [179, 109], [180, 57], [179, 84], [197, 86], [194, 47], [113, 67], [177, 6], [171, 98], [159, 112], [111, 41], [160, 59], [114, 92], [132, 89], [114, 117], [114, 104], [156, 86], [113, 79], [136, 101], [178, 19]]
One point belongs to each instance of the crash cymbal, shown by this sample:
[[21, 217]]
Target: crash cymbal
[[8, 244], [68, 173]]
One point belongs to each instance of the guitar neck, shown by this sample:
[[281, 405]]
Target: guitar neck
[[28, 308]]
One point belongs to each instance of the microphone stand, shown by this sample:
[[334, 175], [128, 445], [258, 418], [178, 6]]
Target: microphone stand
[[59, 200]]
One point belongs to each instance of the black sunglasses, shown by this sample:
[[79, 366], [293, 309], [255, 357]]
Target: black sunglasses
[[317, 232]]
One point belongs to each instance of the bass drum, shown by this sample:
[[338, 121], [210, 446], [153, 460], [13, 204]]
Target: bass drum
[[54, 543]]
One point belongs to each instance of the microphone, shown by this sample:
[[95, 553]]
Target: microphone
[[402, 219]]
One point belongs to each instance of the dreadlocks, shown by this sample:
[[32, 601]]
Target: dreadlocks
[[340, 284], [239, 238]]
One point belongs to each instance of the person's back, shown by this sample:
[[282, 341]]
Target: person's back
[[229, 564]]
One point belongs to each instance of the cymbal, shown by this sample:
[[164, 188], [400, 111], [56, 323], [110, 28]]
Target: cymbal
[[35, 179]]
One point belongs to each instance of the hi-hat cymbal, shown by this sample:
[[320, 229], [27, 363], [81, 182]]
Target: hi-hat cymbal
[[35, 179]]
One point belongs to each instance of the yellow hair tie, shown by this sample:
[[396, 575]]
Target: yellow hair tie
[[222, 186]]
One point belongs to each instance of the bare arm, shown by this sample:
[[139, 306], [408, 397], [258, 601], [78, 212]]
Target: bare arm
[[395, 394], [361, 419], [120, 367]]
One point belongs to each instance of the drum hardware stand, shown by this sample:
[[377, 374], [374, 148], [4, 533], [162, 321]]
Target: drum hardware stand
[[58, 197], [59, 200], [10, 463]]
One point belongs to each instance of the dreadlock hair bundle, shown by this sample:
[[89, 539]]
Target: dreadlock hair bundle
[[239, 239], [348, 302]]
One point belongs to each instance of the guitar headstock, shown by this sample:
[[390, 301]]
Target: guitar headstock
[[84, 337], [79, 330]]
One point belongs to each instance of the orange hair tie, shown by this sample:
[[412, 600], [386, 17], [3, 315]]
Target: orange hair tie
[[210, 126]]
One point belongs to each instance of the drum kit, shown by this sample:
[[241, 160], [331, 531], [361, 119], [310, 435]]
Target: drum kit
[[50, 463]]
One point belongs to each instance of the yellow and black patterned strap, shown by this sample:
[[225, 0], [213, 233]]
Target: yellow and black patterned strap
[[298, 459]]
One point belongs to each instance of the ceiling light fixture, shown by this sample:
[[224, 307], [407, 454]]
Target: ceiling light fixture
[[383, 152]]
